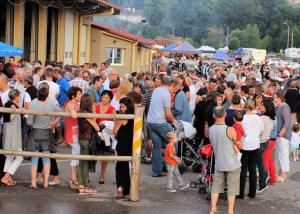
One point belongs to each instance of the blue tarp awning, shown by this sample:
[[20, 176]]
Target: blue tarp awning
[[238, 51], [8, 50], [221, 55], [185, 48], [168, 48]]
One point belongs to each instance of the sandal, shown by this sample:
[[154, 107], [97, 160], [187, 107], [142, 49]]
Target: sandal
[[119, 194], [33, 187], [73, 185], [213, 212], [87, 191], [8, 184], [62, 144], [126, 196]]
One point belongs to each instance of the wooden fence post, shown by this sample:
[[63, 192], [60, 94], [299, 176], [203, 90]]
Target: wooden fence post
[[136, 155]]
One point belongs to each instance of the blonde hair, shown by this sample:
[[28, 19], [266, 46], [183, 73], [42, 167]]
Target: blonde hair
[[123, 89], [170, 136], [250, 104]]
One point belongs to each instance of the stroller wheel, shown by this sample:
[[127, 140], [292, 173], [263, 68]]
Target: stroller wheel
[[204, 189], [181, 169], [199, 189], [193, 184], [207, 197], [197, 167]]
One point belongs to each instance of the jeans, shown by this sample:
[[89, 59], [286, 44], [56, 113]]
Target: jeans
[[158, 134], [83, 168], [269, 161], [249, 159], [261, 165], [173, 170]]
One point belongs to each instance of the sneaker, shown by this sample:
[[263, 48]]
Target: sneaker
[[297, 158], [171, 190], [184, 186], [238, 156], [260, 190], [144, 161], [294, 159], [268, 180]]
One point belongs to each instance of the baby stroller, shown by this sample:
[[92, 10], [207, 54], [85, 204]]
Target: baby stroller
[[188, 146], [205, 180]]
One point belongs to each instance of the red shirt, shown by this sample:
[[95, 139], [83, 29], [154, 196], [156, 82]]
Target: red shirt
[[239, 131], [109, 111]]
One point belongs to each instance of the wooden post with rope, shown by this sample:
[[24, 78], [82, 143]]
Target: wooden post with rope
[[136, 155]]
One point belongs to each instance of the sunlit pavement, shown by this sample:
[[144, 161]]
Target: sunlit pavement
[[60, 199]]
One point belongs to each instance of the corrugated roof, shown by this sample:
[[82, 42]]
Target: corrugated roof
[[141, 40], [110, 5]]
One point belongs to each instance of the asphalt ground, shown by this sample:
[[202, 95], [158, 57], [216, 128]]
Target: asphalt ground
[[282, 198]]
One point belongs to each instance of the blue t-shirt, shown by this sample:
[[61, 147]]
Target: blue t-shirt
[[63, 88], [161, 99]]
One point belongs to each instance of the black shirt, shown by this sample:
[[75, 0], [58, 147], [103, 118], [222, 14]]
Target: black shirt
[[292, 99], [202, 91], [185, 88]]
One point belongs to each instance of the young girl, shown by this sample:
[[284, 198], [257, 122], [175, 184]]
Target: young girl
[[295, 141]]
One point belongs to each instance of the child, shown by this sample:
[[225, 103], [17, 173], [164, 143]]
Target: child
[[238, 117], [295, 141], [172, 162]]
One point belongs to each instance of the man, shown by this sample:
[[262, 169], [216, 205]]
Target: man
[[159, 110], [112, 75], [146, 104], [157, 81], [127, 77], [258, 74], [107, 66], [11, 62], [227, 169], [28, 72], [94, 66], [25, 63], [201, 93], [78, 81], [232, 75], [38, 72], [3, 70], [148, 74], [102, 68], [87, 77], [228, 98], [53, 87], [86, 66], [251, 91], [68, 74], [193, 94], [94, 89], [24, 101], [63, 86]]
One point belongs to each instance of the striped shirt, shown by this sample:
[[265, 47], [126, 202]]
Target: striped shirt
[[146, 101], [77, 82]]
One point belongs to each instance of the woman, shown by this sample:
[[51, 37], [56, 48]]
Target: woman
[[71, 131], [41, 135], [124, 88], [217, 101], [12, 138], [124, 148], [104, 108], [253, 127], [267, 109], [140, 78], [258, 98], [184, 87], [284, 134], [236, 101], [86, 127], [292, 99], [199, 113]]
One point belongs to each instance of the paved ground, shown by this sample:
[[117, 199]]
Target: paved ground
[[278, 199]]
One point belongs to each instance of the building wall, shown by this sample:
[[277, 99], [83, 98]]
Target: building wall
[[101, 40]]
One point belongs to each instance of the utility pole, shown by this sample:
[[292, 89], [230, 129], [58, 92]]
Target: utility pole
[[292, 42], [227, 30]]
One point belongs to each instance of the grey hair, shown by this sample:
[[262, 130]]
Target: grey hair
[[44, 85], [77, 73], [127, 76], [22, 70], [150, 84], [219, 111], [28, 79], [293, 84]]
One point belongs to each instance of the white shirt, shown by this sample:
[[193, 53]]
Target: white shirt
[[253, 125], [193, 96], [286, 73], [295, 140], [22, 89], [53, 88], [106, 84]]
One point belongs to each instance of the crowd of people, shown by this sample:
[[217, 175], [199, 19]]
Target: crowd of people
[[259, 103]]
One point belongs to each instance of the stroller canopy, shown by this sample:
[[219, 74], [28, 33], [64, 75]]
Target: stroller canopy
[[187, 128]]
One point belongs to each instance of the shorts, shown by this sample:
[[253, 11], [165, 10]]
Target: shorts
[[233, 182], [103, 147]]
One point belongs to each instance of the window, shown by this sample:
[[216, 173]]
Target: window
[[115, 56]]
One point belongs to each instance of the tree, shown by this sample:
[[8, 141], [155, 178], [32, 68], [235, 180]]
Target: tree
[[190, 40], [234, 43], [217, 43], [154, 11]]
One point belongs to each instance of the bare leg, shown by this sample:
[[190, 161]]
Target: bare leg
[[54, 179], [46, 174], [103, 167], [6, 179], [149, 148], [231, 200], [74, 174], [214, 200], [39, 176], [60, 136], [33, 170]]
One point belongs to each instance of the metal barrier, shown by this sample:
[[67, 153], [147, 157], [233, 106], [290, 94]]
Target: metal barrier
[[136, 147]]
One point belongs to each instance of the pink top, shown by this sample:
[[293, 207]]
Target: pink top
[[71, 127]]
